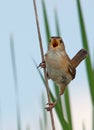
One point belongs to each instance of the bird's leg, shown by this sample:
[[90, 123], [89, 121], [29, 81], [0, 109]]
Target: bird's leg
[[52, 105], [42, 64]]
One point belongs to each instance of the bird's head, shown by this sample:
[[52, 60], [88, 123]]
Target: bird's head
[[56, 43]]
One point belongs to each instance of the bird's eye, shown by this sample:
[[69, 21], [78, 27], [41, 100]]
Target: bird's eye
[[61, 41]]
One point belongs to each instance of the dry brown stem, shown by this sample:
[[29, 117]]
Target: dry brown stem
[[42, 56]]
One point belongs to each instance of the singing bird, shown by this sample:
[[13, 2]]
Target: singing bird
[[60, 68]]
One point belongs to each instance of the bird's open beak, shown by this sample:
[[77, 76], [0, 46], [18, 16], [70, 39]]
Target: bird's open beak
[[54, 43]]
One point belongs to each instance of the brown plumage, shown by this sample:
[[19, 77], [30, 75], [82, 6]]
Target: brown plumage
[[60, 68]]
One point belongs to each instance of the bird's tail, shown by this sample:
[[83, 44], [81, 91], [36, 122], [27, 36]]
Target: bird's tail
[[81, 55]]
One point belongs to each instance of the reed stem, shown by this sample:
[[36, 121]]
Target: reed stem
[[42, 56]]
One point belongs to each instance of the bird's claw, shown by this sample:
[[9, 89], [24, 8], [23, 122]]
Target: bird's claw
[[42, 65], [50, 106]]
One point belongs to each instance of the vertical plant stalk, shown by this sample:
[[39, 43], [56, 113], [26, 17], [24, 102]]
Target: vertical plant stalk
[[89, 68], [15, 83], [42, 56]]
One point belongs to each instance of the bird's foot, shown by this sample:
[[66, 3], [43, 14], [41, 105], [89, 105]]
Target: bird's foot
[[42, 64], [50, 106]]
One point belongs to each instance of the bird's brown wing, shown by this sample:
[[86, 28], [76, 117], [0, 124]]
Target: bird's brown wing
[[72, 71], [71, 68]]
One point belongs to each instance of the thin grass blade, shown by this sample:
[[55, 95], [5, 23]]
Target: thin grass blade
[[68, 108], [15, 82], [57, 23], [47, 29], [89, 68]]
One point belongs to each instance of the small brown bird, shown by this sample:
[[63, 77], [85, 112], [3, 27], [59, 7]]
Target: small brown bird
[[60, 68]]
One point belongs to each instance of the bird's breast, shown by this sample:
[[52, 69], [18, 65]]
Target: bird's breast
[[54, 59], [56, 64]]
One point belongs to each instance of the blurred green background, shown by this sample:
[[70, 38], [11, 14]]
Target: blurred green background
[[22, 91]]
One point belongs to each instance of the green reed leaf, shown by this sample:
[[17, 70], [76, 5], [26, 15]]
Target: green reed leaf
[[89, 68], [68, 108], [12, 50], [47, 29]]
